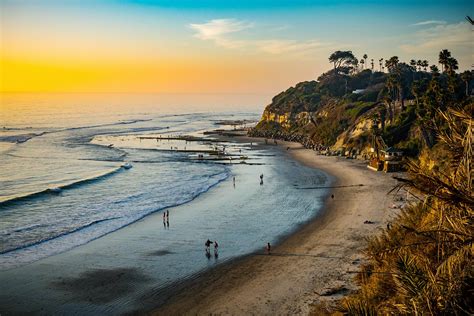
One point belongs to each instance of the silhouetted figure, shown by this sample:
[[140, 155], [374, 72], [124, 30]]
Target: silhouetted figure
[[233, 179], [216, 249], [167, 214], [208, 245], [261, 179], [332, 196], [167, 223], [269, 248]]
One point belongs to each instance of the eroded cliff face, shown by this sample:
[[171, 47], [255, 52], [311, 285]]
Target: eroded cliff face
[[333, 123], [287, 121]]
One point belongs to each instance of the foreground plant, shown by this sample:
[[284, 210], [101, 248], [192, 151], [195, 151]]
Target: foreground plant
[[423, 264]]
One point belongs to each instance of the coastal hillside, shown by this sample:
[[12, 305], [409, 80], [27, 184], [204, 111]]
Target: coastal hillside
[[422, 262], [350, 103]]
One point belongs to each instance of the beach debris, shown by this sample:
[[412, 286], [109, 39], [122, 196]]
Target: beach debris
[[341, 289], [368, 222]]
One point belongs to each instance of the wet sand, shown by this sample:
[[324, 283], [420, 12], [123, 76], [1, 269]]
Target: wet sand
[[316, 264]]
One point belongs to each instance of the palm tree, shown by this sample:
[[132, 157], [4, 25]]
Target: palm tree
[[419, 63], [466, 76], [362, 62], [372, 64], [413, 64], [381, 64], [425, 64], [365, 58], [451, 65], [392, 63], [434, 69], [444, 56]]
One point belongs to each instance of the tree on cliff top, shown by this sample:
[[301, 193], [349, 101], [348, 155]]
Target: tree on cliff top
[[342, 58]]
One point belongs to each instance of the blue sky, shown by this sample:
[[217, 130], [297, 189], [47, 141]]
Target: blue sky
[[231, 46]]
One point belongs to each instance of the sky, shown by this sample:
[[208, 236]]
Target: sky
[[213, 46]]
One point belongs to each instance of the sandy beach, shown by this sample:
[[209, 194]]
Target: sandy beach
[[315, 265]]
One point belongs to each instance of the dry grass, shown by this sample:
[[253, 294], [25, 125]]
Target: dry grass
[[422, 265]]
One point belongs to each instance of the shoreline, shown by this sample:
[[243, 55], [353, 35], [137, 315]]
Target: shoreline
[[314, 265], [137, 268]]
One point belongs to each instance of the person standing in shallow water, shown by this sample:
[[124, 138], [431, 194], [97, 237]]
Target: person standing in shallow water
[[208, 245], [216, 249], [269, 248]]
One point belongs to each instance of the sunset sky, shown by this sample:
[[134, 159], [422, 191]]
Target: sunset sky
[[237, 46]]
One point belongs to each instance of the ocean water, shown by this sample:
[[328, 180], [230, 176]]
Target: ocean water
[[60, 188], [75, 224]]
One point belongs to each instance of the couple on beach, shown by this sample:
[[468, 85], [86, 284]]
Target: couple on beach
[[208, 244]]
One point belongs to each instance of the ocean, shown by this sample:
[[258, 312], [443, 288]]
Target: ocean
[[76, 169]]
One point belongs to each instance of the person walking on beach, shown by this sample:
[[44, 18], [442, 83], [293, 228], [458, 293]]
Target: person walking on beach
[[167, 215], [216, 248], [261, 179], [269, 248], [233, 179]]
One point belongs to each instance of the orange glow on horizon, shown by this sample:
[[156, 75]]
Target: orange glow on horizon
[[20, 74]]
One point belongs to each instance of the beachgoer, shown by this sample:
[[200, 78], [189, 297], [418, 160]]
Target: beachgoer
[[269, 248], [208, 244], [168, 214], [216, 246], [332, 196]]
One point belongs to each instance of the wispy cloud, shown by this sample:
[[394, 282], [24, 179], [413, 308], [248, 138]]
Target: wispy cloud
[[451, 36], [223, 33], [428, 42], [429, 22], [218, 29], [287, 46]]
